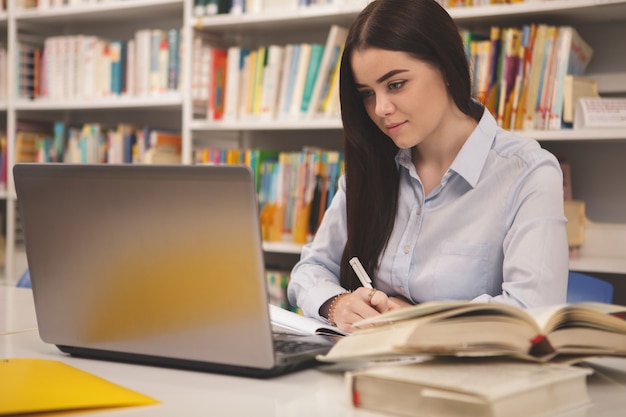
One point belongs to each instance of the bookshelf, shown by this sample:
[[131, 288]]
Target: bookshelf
[[106, 20], [594, 181], [593, 19]]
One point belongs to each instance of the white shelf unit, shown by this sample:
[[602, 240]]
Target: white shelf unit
[[112, 20], [595, 19], [601, 22]]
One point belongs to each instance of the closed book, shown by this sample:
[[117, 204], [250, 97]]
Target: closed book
[[271, 82], [173, 58], [157, 36], [574, 88], [332, 53], [116, 51], [299, 81], [534, 77], [317, 50], [573, 55], [469, 388], [217, 83], [286, 80], [233, 73], [600, 113]]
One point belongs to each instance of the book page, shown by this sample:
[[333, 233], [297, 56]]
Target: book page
[[440, 310], [289, 322]]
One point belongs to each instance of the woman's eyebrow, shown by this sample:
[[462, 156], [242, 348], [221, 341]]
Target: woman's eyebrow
[[384, 77]]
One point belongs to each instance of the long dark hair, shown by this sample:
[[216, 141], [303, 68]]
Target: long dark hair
[[423, 29]]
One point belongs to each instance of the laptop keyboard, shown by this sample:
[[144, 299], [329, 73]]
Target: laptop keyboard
[[296, 346]]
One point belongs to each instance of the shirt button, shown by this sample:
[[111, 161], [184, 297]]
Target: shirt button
[[406, 249], [419, 211]]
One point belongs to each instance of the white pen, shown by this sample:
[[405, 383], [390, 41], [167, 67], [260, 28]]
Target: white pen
[[360, 272]]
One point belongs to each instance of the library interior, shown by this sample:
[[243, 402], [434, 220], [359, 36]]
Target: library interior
[[255, 83]]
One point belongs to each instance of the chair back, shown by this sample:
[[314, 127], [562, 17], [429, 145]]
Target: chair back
[[583, 287]]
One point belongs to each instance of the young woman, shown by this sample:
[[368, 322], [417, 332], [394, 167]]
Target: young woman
[[437, 201]]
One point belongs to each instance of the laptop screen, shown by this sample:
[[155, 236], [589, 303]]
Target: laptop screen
[[154, 260]]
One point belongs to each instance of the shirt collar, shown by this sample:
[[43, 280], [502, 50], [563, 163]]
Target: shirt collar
[[471, 159]]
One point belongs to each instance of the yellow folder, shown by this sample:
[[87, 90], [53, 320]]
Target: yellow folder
[[40, 385]]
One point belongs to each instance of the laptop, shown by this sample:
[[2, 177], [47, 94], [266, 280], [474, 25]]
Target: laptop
[[153, 264]]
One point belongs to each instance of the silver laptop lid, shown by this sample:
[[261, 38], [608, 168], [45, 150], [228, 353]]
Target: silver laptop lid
[[152, 260]]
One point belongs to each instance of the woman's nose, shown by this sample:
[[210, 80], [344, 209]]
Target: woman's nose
[[384, 106]]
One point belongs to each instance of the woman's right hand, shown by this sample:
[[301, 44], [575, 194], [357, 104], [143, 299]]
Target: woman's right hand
[[360, 304]]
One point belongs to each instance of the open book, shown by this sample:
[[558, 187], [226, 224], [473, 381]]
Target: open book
[[461, 328], [284, 321]]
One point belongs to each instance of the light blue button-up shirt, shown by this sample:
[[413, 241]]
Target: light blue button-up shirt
[[493, 230]]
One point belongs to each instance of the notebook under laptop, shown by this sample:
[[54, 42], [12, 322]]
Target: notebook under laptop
[[160, 265]]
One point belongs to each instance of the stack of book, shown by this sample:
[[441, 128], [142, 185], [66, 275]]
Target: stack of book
[[478, 359]]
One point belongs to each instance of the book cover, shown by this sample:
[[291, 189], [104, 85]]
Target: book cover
[[330, 105], [286, 80], [600, 113], [142, 62], [217, 83], [574, 88], [469, 388], [573, 57], [271, 82], [257, 80], [534, 77], [521, 79], [546, 84], [317, 50], [173, 58], [301, 69], [234, 63], [115, 48], [157, 36]]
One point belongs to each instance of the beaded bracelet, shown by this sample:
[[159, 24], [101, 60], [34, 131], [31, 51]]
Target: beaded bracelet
[[331, 308]]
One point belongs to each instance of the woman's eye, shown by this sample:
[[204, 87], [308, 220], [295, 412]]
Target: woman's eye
[[396, 85], [366, 93]]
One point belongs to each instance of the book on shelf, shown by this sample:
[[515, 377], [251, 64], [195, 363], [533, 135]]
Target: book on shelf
[[576, 220], [235, 83], [461, 328], [288, 73], [573, 55], [546, 80], [536, 70], [312, 72], [287, 321], [277, 281], [574, 88], [600, 113], [271, 82], [332, 54], [469, 388], [217, 83], [255, 81], [173, 58], [297, 88], [116, 51]]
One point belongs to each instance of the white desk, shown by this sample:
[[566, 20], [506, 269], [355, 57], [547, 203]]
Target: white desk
[[186, 393]]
